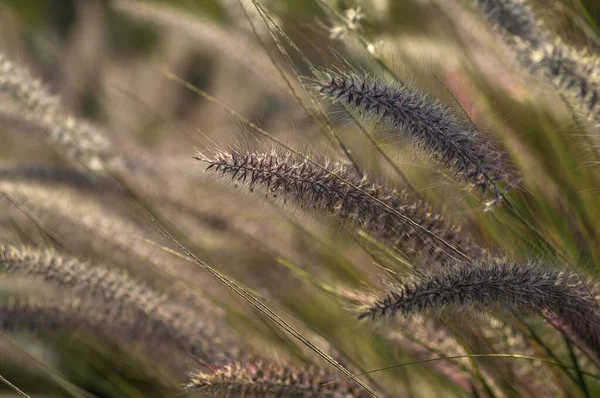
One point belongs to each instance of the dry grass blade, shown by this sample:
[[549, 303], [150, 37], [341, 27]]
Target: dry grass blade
[[8, 383], [514, 356], [266, 311]]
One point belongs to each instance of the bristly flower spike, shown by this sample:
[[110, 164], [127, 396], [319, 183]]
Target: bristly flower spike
[[513, 18], [116, 289], [430, 125], [372, 206], [573, 72], [528, 287], [260, 379], [79, 141]]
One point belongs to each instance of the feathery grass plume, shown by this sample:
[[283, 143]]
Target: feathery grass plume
[[572, 72], [318, 187], [424, 337], [21, 87], [568, 70], [17, 312], [264, 379], [25, 304], [91, 228], [192, 333], [54, 313], [90, 222], [513, 18], [79, 141], [48, 174], [112, 237], [428, 123], [530, 287], [52, 267]]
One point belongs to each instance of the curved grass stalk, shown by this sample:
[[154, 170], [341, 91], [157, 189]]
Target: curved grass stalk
[[17, 390], [59, 379], [421, 337]]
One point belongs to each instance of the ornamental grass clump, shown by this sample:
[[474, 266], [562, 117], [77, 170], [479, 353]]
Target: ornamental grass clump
[[422, 224]]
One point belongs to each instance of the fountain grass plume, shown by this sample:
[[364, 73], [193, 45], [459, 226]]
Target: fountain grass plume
[[351, 197], [430, 125], [572, 72], [66, 271], [76, 139], [72, 313], [262, 379], [115, 289], [514, 18], [21, 87], [51, 313], [493, 282]]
